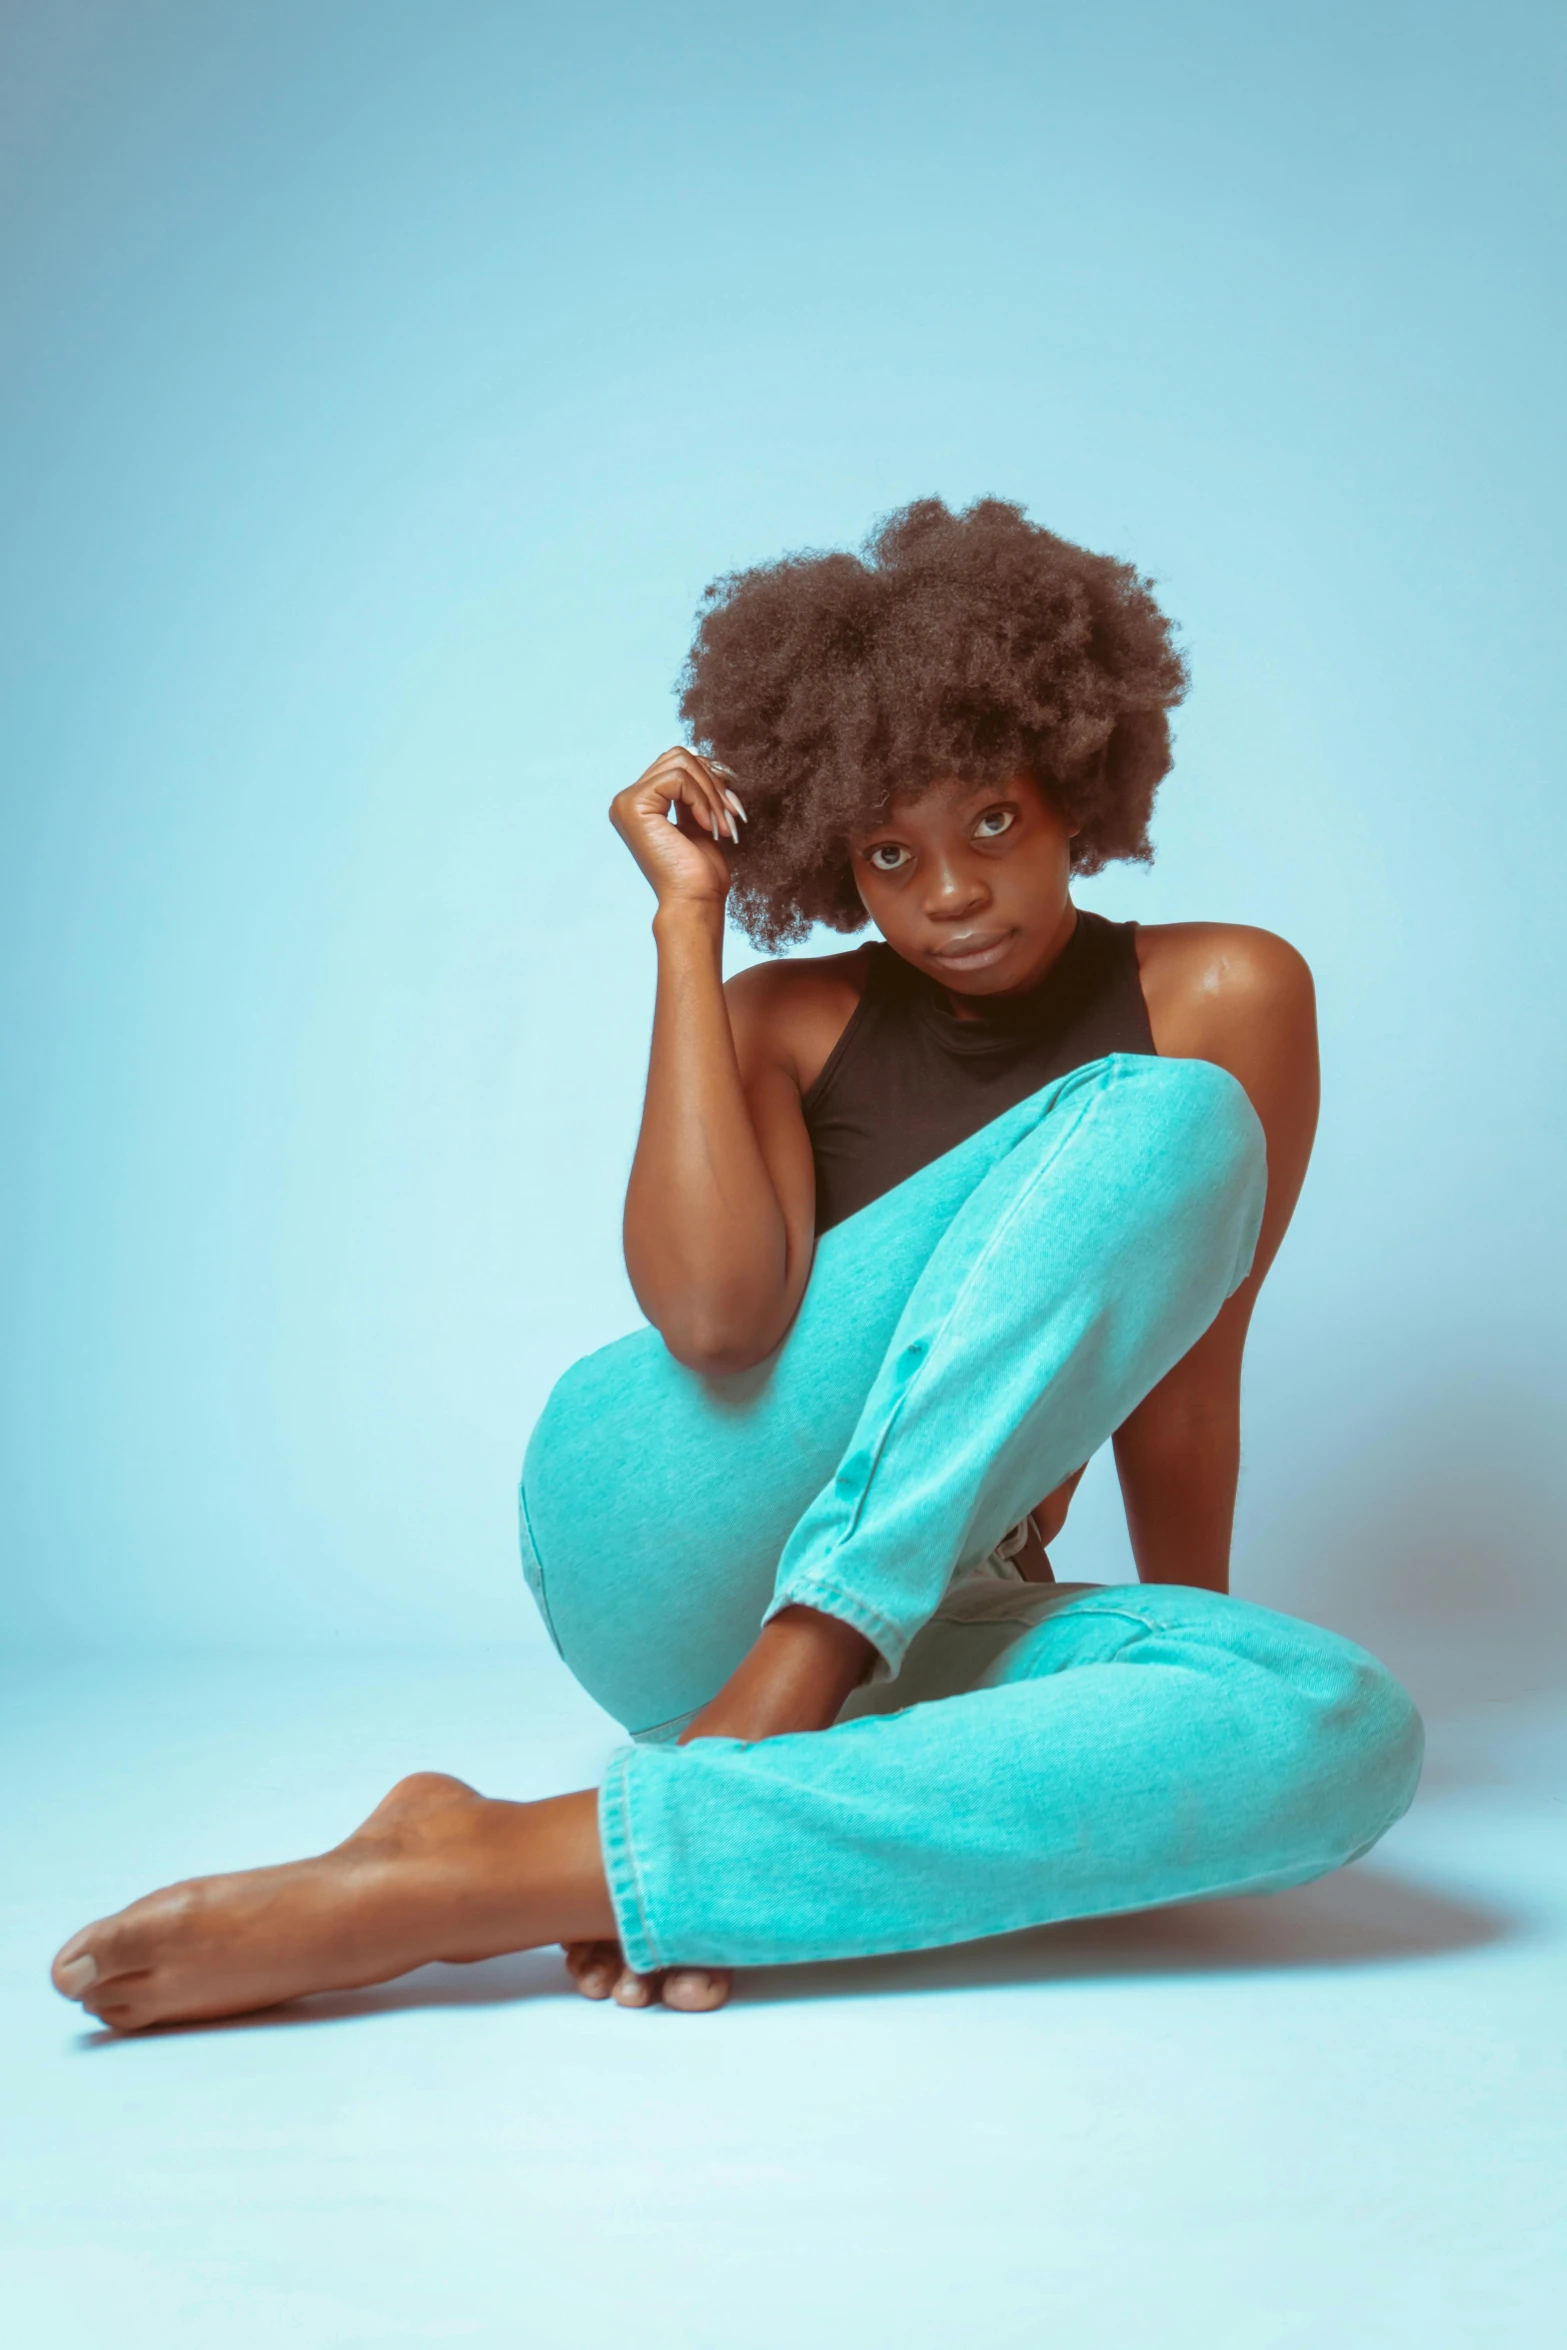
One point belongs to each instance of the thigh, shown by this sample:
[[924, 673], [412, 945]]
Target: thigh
[[991, 1634], [994, 1634], [654, 1505], [1216, 1718]]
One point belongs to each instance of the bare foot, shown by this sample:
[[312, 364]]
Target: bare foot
[[599, 1971], [436, 1872]]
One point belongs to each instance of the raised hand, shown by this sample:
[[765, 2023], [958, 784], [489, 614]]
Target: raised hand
[[683, 859]]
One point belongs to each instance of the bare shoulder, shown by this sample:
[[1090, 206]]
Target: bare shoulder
[[1213, 987], [792, 1011]]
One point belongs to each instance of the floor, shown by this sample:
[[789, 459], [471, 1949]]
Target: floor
[[1336, 2116]]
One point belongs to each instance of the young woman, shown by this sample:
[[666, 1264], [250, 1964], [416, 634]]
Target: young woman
[[917, 1228]]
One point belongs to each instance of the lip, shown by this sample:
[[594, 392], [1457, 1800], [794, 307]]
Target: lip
[[977, 954]]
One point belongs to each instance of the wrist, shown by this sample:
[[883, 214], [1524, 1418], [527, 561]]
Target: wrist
[[678, 920]]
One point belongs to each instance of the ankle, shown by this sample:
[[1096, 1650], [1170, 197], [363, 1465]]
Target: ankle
[[831, 1653], [796, 1677]]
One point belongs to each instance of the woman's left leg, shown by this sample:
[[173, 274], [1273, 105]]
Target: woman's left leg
[[1113, 1748]]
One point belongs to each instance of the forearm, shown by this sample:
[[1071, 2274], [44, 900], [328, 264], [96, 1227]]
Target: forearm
[[707, 1246]]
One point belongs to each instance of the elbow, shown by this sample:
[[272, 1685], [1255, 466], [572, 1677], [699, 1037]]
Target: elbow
[[715, 1327], [714, 1348]]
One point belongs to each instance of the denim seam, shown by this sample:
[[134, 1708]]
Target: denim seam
[[541, 1595], [622, 1874], [882, 1633], [1100, 1615], [665, 1733], [1014, 1209]]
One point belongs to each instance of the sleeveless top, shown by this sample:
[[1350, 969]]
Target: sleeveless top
[[908, 1080]]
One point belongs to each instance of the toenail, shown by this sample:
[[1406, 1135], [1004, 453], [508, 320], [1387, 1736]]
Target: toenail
[[77, 1975]]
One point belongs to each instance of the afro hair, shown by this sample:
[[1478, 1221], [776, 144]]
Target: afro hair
[[962, 648]]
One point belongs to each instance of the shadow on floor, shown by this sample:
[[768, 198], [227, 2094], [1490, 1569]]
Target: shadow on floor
[[1362, 1916]]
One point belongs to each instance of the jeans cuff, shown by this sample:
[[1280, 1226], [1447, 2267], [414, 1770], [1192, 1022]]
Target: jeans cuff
[[621, 1874], [887, 1638]]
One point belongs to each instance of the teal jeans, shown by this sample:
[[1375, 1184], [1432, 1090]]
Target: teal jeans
[[1021, 1752]]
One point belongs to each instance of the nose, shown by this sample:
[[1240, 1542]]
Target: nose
[[954, 891]]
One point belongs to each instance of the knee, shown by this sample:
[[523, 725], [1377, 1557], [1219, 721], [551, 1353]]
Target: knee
[[1360, 1745], [1198, 1146], [1206, 1115]]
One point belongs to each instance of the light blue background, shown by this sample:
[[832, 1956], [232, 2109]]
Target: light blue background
[[380, 385]]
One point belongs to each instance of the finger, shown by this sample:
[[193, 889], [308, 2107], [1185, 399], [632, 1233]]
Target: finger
[[696, 1990], [634, 1990], [707, 796], [730, 803], [727, 779], [683, 762], [713, 812], [698, 820]]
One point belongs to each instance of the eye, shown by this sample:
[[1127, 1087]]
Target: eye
[[887, 856], [995, 822]]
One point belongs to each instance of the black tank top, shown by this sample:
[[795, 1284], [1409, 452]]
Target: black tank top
[[908, 1080]]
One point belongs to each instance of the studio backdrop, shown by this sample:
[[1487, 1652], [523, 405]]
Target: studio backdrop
[[381, 385]]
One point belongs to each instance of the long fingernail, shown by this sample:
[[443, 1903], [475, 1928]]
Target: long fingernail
[[734, 801], [734, 830], [77, 1975]]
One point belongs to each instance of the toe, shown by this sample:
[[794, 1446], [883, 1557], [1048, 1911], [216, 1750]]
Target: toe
[[696, 1990], [73, 1977], [119, 2011], [126, 1944], [594, 1967], [633, 1990], [79, 1963]]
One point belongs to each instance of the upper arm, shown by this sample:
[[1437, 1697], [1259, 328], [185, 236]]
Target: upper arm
[[772, 1096], [785, 1018], [1244, 999]]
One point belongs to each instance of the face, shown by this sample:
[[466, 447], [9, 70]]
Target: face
[[971, 884]]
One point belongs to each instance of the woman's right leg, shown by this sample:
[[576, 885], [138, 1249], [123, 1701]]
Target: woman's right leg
[[656, 1503], [964, 1343]]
